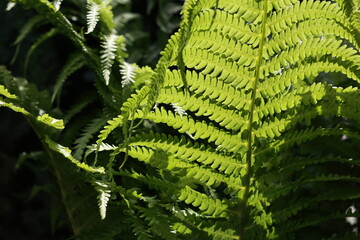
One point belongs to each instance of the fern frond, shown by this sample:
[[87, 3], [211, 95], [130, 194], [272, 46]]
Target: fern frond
[[184, 149], [227, 118], [209, 88], [208, 206], [128, 110], [220, 233], [88, 132], [66, 152], [238, 90], [4, 91], [112, 124], [139, 228], [106, 15], [103, 147], [47, 10], [196, 128], [48, 120], [108, 55], [14, 94], [158, 223], [128, 72], [92, 16], [104, 195]]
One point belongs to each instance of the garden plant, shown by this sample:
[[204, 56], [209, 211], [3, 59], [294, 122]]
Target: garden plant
[[246, 127]]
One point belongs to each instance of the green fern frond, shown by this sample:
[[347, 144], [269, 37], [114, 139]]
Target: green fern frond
[[93, 127], [46, 119], [237, 99], [234, 85], [197, 129], [159, 159], [128, 110], [43, 119], [66, 152], [219, 232], [47, 10], [185, 149], [139, 228], [112, 124], [158, 223], [208, 206], [14, 93], [6, 93], [106, 14]]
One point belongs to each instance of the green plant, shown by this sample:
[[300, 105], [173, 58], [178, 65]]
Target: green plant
[[245, 129]]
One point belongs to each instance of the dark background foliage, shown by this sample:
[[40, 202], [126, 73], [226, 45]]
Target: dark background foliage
[[29, 208]]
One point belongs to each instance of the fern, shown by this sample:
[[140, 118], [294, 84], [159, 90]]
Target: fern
[[237, 133], [245, 68], [127, 71], [14, 101], [87, 134], [92, 16], [104, 195], [108, 55], [66, 152]]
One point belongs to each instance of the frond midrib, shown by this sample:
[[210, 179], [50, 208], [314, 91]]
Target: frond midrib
[[249, 152]]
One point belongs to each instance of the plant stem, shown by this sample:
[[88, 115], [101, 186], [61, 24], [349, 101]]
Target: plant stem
[[247, 180]]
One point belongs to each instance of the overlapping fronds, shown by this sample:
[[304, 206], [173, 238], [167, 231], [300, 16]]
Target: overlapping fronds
[[67, 153], [14, 100], [88, 132], [47, 10], [224, 123], [237, 86]]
